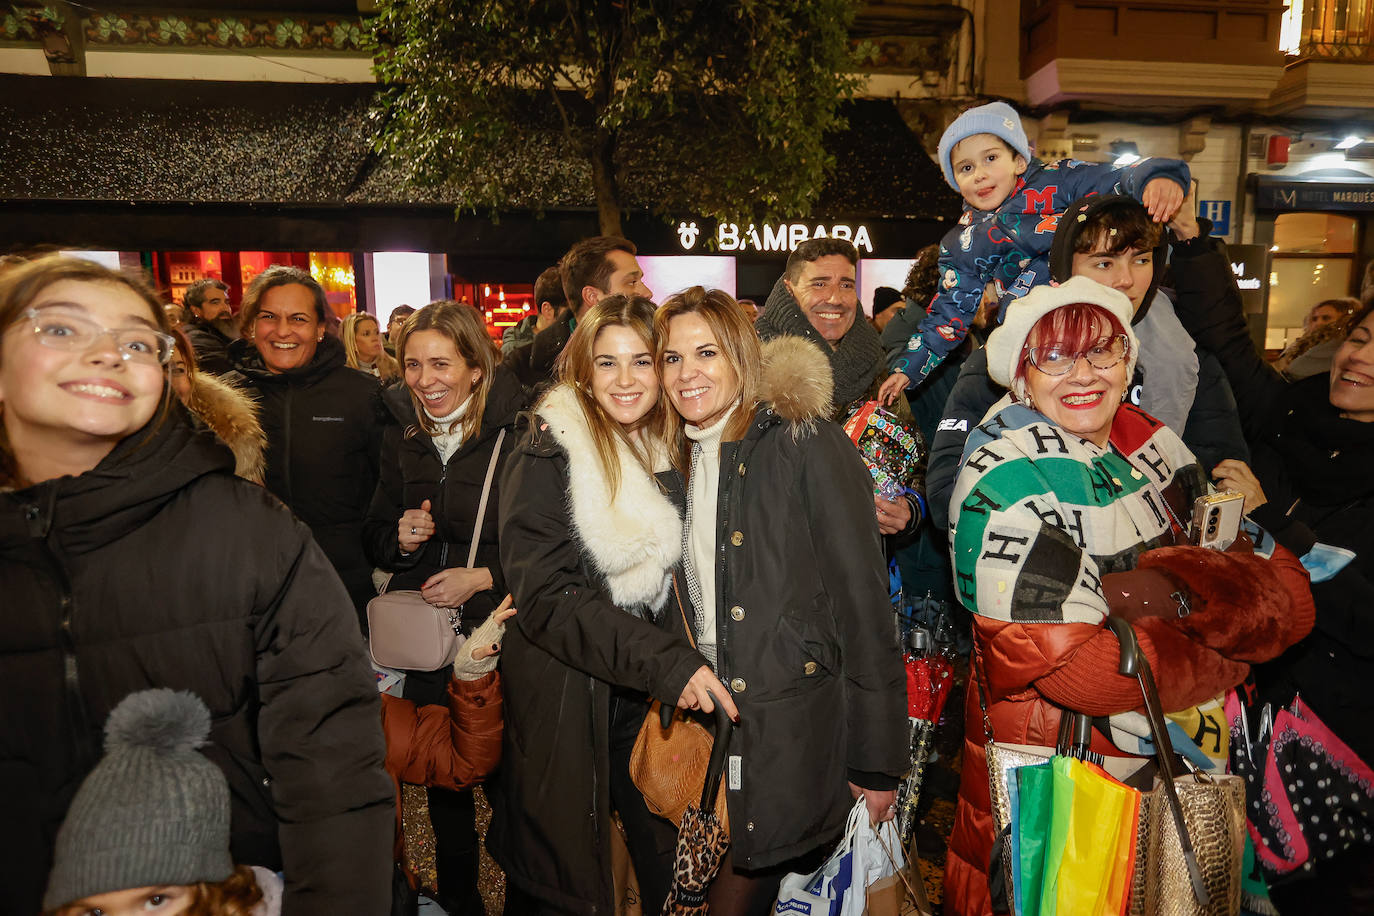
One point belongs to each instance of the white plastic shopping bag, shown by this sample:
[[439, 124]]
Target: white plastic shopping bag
[[838, 888]]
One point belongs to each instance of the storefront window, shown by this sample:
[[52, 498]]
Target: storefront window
[[1313, 258]]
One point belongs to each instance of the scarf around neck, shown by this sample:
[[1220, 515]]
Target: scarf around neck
[[856, 359]]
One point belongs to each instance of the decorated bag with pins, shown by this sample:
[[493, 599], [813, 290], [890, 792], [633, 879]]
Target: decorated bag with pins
[[894, 454]]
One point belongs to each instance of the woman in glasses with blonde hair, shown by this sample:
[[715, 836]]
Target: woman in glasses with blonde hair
[[131, 557]]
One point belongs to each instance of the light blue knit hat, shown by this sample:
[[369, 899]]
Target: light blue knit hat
[[996, 118]]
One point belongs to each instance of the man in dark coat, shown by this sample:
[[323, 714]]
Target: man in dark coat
[[1111, 239], [593, 268], [323, 420], [817, 298], [210, 324], [160, 568]]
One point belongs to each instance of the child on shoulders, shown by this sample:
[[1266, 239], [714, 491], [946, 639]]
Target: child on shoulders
[[1012, 205]]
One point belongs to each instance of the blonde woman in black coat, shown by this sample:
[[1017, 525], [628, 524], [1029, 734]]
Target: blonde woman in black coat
[[454, 417], [788, 589]]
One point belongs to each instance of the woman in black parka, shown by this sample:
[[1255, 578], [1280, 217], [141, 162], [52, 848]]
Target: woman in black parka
[[785, 569], [131, 557], [589, 542], [323, 420], [455, 405]]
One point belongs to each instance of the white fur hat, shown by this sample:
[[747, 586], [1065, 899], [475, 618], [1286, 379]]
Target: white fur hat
[[1007, 341]]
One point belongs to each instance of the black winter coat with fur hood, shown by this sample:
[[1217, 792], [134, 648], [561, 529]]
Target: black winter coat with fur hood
[[160, 568], [586, 570], [804, 630]]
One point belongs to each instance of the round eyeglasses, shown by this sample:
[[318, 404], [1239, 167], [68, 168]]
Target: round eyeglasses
[[1105, 353], [65, 330]]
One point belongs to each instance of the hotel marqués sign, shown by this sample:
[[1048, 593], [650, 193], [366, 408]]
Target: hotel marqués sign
[[772, 237]]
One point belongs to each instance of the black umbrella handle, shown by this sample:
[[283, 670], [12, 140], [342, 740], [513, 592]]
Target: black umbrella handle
[[719, 748]]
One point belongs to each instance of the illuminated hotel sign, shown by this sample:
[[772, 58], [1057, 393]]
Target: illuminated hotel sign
[[780, 237]]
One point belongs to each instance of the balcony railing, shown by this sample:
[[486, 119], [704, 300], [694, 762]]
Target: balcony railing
[[1331, 29]]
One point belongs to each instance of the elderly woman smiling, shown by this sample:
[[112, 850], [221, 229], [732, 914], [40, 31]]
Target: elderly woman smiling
[[1069, 508]]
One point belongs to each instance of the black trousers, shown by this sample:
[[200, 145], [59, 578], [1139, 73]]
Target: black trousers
[[454, 815], [650, 839]]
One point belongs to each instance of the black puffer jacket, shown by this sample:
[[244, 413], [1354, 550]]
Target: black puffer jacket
[[412, 473], [211, 346], [1317, 471], [160, 568], [324, 425], [804, 631], [570, 643]]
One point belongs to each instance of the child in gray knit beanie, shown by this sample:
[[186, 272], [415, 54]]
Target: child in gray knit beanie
[[148, 831]]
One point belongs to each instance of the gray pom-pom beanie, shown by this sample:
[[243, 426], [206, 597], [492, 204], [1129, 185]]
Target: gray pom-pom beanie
[[154, 811]]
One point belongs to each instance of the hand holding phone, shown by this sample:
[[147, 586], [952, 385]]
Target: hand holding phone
[[1216, 519]]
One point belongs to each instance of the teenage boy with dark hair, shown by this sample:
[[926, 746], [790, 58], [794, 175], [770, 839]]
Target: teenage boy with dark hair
[[1111, 239], [1012, 205]]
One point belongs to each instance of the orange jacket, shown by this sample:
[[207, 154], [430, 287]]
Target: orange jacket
[[1254, 609], [451, 748]]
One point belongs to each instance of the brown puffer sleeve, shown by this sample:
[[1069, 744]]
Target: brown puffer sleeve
[[450, 748]]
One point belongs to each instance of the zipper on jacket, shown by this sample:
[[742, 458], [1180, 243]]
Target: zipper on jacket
[[87, 752], [438, 495], [286, 448]]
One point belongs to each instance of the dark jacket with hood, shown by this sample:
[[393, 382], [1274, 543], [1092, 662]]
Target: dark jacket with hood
[[413, 473], [588, 572], [804, 629], [160, 568], [1210, 427], [324, 424], [211, 346], [1317, 471]]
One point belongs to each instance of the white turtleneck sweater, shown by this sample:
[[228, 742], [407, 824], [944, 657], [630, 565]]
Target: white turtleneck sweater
[[450, 436], [702, 524]]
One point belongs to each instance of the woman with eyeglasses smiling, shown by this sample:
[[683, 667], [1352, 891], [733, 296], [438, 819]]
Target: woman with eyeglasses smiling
[[1072, 506], [132, 557]]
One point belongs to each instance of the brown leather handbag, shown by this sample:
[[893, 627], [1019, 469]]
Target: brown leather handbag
[[669, 760]]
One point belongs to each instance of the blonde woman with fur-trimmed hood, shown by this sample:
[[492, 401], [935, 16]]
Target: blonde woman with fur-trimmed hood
[[589, 541], [221, 407], [788, 589]]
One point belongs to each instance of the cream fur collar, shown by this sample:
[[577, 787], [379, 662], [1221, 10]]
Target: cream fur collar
[[633, 540]]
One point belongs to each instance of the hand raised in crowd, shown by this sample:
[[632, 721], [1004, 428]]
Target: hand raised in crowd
[[694, 695], [882, 806], [1184, 224], [415, 527], [892, 387], [451, 587], [480, 651], [893, 515], [1236, 475], [1162, 198]]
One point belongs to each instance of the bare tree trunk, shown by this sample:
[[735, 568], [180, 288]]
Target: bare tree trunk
[[604, 183]]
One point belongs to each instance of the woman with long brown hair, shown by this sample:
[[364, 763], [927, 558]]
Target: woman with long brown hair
[[589, 542], [125, 563], [788, 589]]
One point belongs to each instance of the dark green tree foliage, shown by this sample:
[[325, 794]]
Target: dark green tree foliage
[[711, 107]]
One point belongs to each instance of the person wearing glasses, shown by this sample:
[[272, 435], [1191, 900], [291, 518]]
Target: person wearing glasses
[[324, 421], [1071, 505], [132, 557]]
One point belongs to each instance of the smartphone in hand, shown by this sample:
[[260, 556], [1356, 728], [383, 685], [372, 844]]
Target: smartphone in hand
[[1216, 519]]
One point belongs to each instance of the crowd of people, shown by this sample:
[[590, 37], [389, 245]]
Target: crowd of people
[[633, 499]]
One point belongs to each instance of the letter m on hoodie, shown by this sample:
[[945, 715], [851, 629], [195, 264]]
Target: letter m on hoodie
[[1041, 201]]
